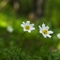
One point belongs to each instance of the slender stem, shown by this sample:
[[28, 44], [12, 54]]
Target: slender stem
[[21, 38], [58, 41], [33, 44]]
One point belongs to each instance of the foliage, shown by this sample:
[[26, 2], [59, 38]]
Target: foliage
[[17, 54]]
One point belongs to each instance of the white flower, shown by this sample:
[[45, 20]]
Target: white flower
[[58, 35], [44, 31], [27, 26], [10, 29]]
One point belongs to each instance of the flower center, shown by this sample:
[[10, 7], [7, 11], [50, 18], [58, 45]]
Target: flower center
[[27, 27], [45, 31]]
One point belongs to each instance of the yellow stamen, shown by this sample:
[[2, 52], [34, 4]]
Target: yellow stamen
[[27, 27], [45, 31]]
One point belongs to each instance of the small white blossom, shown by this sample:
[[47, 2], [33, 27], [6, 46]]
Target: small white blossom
[[9, 29], [27, 26], [58, 35], [44, 31]]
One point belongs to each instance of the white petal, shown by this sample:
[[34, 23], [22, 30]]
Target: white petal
[[28, 22], [43, 25], [29, 31], [49, 36], [50, 32], [39, 27], [40, 31], [32, 24], [22, 25], [33, 29], [45, 36], [47, 27], [58, 35], [23, 22], [24, 29]]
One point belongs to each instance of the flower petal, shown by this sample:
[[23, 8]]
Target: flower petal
[[32, 24], [39, 27], [50, 32], [28, 22], [49, 36], [40, 31], [33, 28], [29, 31], [24, 29], [58, 35], [43, 25], [44, 36], [47, 27], [23, 24]]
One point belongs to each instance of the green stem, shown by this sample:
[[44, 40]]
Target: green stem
[[58, 41], [33, 45], [21, 38]]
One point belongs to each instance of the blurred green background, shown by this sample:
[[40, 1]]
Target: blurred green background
[[14, 12]]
